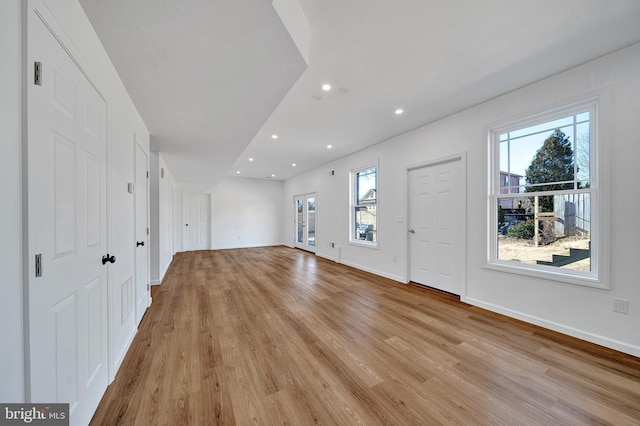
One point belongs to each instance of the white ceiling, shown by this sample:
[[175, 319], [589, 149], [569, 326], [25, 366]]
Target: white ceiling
[[213, 80]]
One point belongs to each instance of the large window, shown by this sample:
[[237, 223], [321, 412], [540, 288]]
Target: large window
[[364, 205], [543, 196]]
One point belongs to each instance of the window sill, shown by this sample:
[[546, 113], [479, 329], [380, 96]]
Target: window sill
[[366, 244], [553, 273]]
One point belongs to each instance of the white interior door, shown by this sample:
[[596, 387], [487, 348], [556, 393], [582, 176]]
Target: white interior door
[[143, 298], [68, 319], [436, 221], [305, 221], [196, 225]]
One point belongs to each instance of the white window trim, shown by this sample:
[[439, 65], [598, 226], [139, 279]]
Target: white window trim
[[598, 276], [352, 191]]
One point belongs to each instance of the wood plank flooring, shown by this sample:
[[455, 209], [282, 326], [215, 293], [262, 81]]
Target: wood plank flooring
[[278, 336]]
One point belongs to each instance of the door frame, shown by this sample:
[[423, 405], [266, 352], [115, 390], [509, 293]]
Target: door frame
[[305, 246], [462, 157]]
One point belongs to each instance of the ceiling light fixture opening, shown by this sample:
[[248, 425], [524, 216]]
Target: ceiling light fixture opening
[[293, 164], [274, 136], [237, 172], [329, 146], [326, 87], [399, 111], [250, 159]]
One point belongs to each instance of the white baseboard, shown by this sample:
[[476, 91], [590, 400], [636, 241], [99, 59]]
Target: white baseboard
[[233, 247], [375, 272], [123, 352], [156, 282], [324, 256], [363, 268], [561, 328]]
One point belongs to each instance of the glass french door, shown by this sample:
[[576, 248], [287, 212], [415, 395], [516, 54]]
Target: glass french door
[[305, 223]]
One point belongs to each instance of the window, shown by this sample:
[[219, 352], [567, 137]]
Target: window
[[543, 196], [364, 205]]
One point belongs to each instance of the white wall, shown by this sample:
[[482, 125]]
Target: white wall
[[154, 218], [11, 350], [244, 212], [163, 188], [166, 218], [576, 310], [247, 213]]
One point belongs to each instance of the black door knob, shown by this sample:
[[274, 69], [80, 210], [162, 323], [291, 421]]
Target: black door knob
[[139, 243], [106, 258]]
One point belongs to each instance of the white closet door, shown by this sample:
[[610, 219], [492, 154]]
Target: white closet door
[[68, 320]]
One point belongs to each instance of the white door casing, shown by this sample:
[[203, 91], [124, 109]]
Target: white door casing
[[196, 214], [436, 225], [141, 191], [67, 223], [305, 208]]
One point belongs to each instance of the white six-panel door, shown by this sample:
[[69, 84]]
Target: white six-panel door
[[436, 221], [67, 225], [141, 228], [196, 214]]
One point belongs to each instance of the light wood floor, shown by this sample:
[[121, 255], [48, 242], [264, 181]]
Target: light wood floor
[[278, 336]]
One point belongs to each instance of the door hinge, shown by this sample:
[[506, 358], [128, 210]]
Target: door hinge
[[37, 73], [148, 287], [147, 231], [147, 174], [38, 265]]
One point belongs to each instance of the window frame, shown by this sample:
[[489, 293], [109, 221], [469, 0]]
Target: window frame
[[596, 277], [353, 204]]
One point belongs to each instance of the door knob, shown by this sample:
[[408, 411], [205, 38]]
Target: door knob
[[411, 231], [139, 243], [106, 258]]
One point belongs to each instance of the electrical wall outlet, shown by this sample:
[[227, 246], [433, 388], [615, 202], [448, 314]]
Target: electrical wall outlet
[[621, 306]]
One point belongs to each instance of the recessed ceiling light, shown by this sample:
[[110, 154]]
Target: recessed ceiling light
[[329, 146], [273, 175], [326, 87], [237, 172], [399, 111], [274, 136], [250, 159], [293, 164]]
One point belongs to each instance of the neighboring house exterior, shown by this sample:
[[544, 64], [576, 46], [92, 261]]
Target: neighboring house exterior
[[367, 216], [509, 184], [369, 197]]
